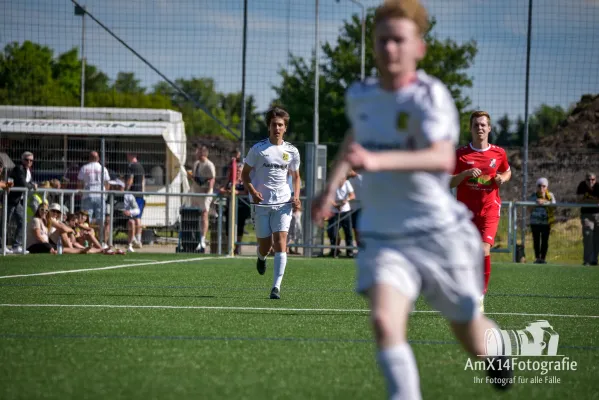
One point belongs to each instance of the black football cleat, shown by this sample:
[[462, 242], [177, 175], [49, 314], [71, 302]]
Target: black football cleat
[[500, 372], [275, 293], [261, 266]]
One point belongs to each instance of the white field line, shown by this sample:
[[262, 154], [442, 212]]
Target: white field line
[[152, 262], [275, 309]]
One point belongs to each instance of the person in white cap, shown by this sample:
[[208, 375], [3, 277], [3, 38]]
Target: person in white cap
[[127, 209], [541, 219]]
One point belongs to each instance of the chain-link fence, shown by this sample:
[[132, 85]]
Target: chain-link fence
[[220, 65]]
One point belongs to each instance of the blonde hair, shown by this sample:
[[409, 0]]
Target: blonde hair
[[408, 9], [478, 114]]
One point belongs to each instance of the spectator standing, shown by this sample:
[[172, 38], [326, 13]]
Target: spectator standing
[[21, 178], [203, 174], [4, 186], [243, 208], [588, 193], [90, 178], [541, 219], [341, 218], [136, 183]]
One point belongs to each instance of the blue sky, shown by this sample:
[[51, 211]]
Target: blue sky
[[203, 38]]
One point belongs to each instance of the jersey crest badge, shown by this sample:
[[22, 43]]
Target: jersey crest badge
[[493, 163], [285, 156], [402, 120]]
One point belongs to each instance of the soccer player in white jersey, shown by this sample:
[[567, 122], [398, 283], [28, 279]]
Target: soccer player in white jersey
[[265, 176], [416, 238]]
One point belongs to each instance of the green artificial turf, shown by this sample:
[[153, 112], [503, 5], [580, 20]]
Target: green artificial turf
[[186, 329]]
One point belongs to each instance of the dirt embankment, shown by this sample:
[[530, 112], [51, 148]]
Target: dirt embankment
[[563, 157]]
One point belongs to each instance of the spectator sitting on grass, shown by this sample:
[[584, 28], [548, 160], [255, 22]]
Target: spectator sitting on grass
[[59, 231], [37, 232]]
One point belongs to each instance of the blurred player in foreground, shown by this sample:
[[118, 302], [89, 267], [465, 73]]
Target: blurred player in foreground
[[265, 177], [481, 168], [416, 238]]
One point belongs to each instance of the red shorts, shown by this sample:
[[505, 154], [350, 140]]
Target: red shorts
[[487, 226]]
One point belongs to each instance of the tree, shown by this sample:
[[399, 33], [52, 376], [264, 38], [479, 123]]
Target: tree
[[544, 121], [66, 72], [446, 60], [225, 107], [502, 131], [26, 75], [127, 83]]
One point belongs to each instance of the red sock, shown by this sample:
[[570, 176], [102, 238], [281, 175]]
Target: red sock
[[487, 273]]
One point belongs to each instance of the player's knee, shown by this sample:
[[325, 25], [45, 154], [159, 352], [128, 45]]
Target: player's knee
[[386, 327]]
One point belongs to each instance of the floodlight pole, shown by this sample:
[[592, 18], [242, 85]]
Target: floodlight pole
[[362, 40], [243, 77], [81, 11], [526, 123]]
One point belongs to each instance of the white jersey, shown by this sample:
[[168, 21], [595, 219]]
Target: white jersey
[[270, 164], [342, 194], [91, 175], [403, 203]]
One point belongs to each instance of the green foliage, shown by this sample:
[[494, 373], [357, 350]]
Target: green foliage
[[445, 59], [127, 83], [542, 123], [225, 107], [31, 75]]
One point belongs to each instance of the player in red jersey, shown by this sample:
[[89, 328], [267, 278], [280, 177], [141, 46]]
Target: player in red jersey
[[481, 168]]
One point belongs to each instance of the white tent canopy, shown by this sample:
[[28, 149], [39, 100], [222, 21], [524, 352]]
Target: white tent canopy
[[106, 122]]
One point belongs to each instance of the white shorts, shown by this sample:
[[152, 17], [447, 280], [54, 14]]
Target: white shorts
[[268, 220], [445, 267], [203, 203]]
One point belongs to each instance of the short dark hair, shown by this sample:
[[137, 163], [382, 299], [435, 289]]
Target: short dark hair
[[277, 112]]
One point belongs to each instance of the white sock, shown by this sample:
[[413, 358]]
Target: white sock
[[280, 264], [203, 240], [401, 372], [260, 256], [138, 237]]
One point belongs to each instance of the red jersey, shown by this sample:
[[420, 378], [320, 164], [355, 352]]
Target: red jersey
[[481, 194]]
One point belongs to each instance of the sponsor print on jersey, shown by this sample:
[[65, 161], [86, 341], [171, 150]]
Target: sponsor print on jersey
[[275, 166], [485, 180]]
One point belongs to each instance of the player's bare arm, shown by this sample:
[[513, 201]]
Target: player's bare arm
[[297, 204], [440, 156], [459, 178], [247, 182], [503, 177]]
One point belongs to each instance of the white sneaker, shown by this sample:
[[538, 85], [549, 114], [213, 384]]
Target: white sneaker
[[104, 246], [481, 304], [17, 250], [130, 249], [136, 244], [8, 251]]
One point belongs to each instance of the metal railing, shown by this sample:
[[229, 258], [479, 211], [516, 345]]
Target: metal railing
[[566, 231]]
